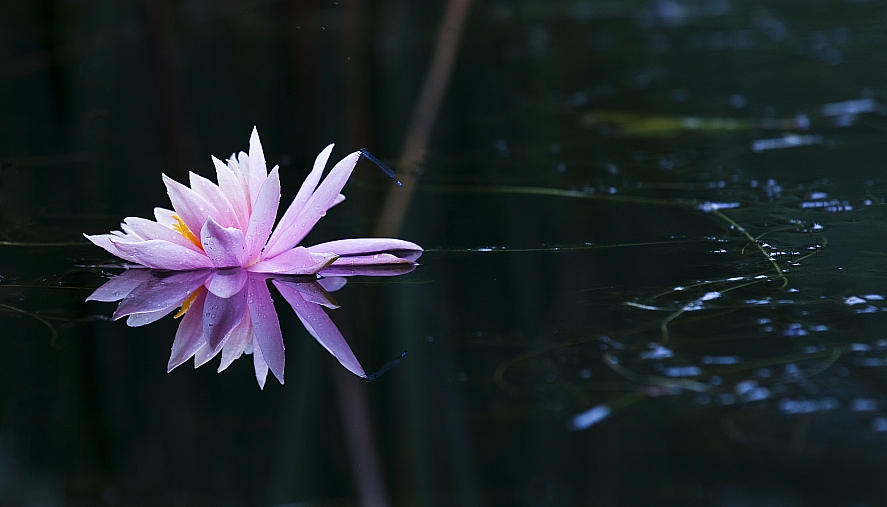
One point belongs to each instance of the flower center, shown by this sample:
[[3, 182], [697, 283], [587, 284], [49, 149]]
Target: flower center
[[183, 229], [186, 304]]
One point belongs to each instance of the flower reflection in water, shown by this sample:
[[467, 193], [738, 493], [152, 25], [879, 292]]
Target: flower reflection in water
[[231, 311]]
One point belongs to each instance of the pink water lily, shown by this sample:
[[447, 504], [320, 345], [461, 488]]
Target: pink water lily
[[231, 311], [231, 223]]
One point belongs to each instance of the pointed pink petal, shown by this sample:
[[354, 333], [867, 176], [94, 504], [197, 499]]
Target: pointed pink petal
[[143, 319], [319, 325], [263, 215], [236, 343], [149, 229], [212, 193], [203, 355], [226, 282], [190, 206], [230, 186], [105, 241], [296, 261], [161, 293], [289, 235], [236, 168], [189, 337], [258, 171], [265, 325], [120, 286], [339, 199], [226, 247], [164, 216], [308, 186], [159, 254], [260, 365], [221, 316], [366, 246]]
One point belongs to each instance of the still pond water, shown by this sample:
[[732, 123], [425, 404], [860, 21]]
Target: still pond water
[[655, 239]]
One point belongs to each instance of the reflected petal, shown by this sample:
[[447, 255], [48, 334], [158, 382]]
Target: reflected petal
[[118, 287], [364, 270], [221, 316], [260, 366], [161, 293], [189, 336], [320, 326], [240, 337], [265, 325]]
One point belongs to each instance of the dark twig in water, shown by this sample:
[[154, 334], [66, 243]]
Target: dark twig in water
[[385, 169], [389, 365], [54, 334]]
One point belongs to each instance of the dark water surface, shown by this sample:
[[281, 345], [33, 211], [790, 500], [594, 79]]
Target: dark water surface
[[655, 268]]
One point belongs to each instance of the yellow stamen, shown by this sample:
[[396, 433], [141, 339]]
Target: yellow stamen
[[183, 229], [186, 304]]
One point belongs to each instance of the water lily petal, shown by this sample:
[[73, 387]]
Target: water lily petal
[[203, 354], [265, 325], [310, 184], [225, 246], [159, 294], [290, 233], [164, 216], [149, 229], [364, 246], [190, 206], [212, 193], [385, 269], [296, 261], [120, 286], [237, 341], [159, 254], [313, 292], [221, 316], [332, 283], [189, 336], [226, 282], [237, 195], [260, 365], [263, 215], [105, 241], [143, 319], [258, 171], [371, 260], [321, 327], [235, 168]]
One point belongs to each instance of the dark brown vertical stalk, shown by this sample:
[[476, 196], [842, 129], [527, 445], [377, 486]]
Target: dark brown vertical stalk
[[415, 144]]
